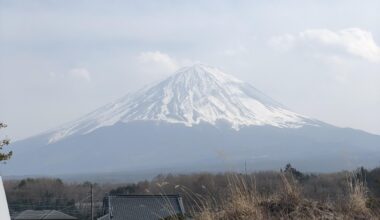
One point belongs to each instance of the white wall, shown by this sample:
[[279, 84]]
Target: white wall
[[4, 211]]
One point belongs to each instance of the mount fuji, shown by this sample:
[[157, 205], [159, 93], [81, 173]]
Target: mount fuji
[[198, 119]]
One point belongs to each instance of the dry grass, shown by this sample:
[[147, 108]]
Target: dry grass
[[243, 202], [358, 197], [259, 195]]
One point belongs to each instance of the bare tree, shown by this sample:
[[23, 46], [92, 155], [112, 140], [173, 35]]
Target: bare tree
[[4, 142]]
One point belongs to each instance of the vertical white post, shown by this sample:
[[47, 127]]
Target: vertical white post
[[4, 211]]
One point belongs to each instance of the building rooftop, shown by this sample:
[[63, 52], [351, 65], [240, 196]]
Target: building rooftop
[[143, 207], [43, 214]]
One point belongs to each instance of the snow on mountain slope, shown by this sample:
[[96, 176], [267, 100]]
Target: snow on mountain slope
[[192, 95]]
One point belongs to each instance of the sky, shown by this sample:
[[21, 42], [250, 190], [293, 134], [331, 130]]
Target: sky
[[62, 59]]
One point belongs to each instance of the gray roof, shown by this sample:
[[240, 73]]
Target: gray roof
[[143, 207], [104, 217], [43, 214]]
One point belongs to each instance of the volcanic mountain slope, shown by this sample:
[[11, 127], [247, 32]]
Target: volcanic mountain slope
[[193, 95], [198, 119]]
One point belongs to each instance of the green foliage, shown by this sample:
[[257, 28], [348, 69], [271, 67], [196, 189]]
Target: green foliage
[[8, 155], [295, 173], [125, 190]]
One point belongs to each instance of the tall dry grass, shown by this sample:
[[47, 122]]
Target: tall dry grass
[[241, 199], [358, 197], [244, 202]]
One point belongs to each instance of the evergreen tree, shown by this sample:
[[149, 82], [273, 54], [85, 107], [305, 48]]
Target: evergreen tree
[[4, 155], [294, 172]]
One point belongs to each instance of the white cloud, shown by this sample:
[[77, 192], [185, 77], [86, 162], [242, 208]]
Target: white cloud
[[351, 41], [156, 63], [80, 73], [160, 59]]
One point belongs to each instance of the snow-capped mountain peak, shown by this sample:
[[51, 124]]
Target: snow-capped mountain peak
[[193, 95]]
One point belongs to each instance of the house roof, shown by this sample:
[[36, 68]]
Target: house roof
[[43, 214], [143, 207], [104, 217]]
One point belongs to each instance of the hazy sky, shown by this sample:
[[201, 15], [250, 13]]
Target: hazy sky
[[62, 59]]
